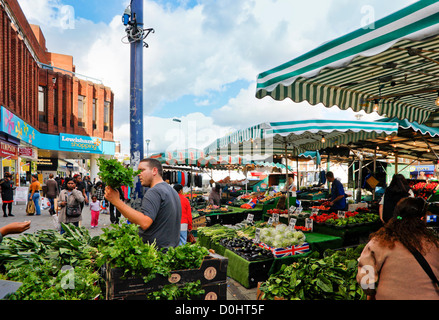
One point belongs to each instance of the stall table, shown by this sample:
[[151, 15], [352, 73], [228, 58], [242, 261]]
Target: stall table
[[234, 216], [249, 273]]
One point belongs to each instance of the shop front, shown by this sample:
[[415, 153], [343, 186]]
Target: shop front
[[8, 155], [52, 150]]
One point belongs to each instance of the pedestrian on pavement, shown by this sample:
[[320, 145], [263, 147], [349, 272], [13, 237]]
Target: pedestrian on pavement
[[7, 187], [160, 215], [80, 185], [114, 212], [100, 190], [52, 192], [88, 187], [70, 200], [391, 264], [34, 193], [186, 214], [95, 208]]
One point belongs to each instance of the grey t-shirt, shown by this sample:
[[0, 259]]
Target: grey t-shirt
[[162, 204]]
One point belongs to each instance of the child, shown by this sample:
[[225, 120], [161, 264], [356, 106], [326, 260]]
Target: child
[[94, 208]]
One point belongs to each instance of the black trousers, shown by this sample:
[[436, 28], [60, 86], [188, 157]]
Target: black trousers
[[9, 205], [114, 214]]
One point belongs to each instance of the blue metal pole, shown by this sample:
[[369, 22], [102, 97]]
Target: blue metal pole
[[136, 100]]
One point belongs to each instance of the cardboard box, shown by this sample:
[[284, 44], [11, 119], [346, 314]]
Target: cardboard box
[[198, 222], [213, 270], [354, 206]]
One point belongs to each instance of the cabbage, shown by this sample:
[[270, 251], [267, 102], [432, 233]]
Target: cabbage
[[281, 228]]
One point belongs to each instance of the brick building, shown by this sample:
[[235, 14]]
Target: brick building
[[40, 90]]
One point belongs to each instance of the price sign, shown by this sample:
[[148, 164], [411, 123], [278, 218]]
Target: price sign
[[270, 221], [309, 223], [299, 210], [250, 217], [292, 209], [275, 217], [314, 211], [341, 214], [257, 234], [292, 224]]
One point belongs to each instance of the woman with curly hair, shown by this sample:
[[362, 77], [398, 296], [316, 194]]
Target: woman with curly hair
[[387, 267]]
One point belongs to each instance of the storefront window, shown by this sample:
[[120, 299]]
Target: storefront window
[[81, 111], [42, 107], [107, 116]]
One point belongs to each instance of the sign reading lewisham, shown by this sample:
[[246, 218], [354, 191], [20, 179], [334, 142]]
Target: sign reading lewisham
[[80, 143]]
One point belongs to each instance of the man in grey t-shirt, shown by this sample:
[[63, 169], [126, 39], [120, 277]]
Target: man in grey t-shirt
[[161, 203], [160, 216]]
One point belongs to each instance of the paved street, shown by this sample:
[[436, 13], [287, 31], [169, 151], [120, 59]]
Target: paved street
[[44, 221]]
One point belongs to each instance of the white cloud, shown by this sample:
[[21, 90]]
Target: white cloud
[[196, 51], [195, 131]]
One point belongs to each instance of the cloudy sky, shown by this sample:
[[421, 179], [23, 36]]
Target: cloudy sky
[[203, 59]]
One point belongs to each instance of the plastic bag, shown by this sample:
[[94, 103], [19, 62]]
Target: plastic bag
[[45, 203], [30, 208], [55, 221]]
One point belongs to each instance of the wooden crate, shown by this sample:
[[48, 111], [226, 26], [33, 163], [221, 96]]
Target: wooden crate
[[213, 270]]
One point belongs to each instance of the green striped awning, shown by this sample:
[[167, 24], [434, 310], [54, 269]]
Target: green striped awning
[[272, 138], [391, 68]]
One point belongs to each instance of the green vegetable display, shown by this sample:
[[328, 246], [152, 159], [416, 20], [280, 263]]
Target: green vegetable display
[[115, 174], [121, 246], [332, 277], [52, 266], [37, 261]]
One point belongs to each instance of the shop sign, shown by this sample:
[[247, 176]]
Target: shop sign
[[27, 152], [47, 164], [80, 143], [8, 150], [14, 126], [423, 168]]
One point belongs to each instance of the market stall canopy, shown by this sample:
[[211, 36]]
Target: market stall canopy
[[412, 141], [196, 158], [390, 67], [291, 137]]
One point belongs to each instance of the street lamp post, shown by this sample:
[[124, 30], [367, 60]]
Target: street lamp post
[[179, 130], [147, 146]]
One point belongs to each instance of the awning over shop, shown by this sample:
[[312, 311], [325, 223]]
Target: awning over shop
[[390, 67]]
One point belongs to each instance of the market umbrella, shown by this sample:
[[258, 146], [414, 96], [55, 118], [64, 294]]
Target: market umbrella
[[390, 67]]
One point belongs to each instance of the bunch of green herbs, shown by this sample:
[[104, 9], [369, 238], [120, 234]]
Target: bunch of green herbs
[[115, 174]]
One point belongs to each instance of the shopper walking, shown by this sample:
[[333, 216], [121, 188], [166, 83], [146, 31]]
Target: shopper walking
[[7, 187], [34, 193], [160, 216], [70, 200], [80, 186], [95, 208], [52, 192], [186, 215], [88, 186], [100, 191], [398, 188], [388, 268], [215, 195]]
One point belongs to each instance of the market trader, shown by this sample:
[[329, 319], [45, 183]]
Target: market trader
[[160, 216], [338, 196]]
